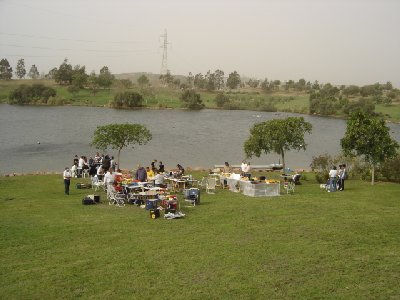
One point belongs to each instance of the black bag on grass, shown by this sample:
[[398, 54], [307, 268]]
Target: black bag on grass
[[87, 201]]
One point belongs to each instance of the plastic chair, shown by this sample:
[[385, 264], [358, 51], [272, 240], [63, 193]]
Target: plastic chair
[[98, 184], [288, 186], [211, 185], [192, 196]]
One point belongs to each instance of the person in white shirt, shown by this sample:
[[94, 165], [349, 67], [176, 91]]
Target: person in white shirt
[[100, 173], [159, 180], [243, 167], [109, 178], [246, 170], [333, 173], [81, 163], [67, 174]]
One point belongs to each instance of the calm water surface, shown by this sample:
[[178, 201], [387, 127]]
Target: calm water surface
[[196, 139]]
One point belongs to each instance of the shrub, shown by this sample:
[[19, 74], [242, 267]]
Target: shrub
[[30, 94], [192, 100], [127, 100], [391, 169], [221, 99]]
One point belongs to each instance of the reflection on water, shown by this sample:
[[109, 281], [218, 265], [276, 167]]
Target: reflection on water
[[196, 139]]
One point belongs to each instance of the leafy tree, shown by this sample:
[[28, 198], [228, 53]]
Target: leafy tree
[[119, 136], [5, 70], [63, 75], [278, 135], [92, 83], [127, 83], [351, 90], [192, 100], [190, 80], [362, 105], [52, 74], [210, 81], [368, 136], [167, 79], [79, 77], [143, 81], [199, 81], [105, 78], [219, 79], [265, 85], [20, 71], [253, 83], [233, 80], [33, 72]]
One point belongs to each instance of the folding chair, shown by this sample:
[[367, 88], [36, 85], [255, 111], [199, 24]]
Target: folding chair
[[211, 185]]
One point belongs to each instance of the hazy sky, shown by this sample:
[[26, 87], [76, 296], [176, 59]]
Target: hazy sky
[[337, 41]]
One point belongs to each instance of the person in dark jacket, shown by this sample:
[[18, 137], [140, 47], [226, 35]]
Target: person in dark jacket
[[141, 174], [106, 163]]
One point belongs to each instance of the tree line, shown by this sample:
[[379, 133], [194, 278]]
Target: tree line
[[324, 99]]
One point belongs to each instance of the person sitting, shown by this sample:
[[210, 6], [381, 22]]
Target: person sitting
[[227, 168], [150, 172], [159, 180], [181, 171]]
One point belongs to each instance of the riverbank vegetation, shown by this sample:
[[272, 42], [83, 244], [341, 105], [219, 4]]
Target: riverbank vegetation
[[216, 89], [307, 245]]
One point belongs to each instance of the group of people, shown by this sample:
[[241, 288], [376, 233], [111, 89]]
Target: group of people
[[337, 178], [104, 168]]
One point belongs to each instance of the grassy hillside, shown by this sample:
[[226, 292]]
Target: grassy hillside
[[168, 97], [309, 245]]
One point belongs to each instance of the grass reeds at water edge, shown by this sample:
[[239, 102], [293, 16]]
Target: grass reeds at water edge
[[311, 244]]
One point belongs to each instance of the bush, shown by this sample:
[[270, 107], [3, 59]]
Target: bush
[[221, 99], [127, 100], [192, 100], [25, 94], [391, 169]]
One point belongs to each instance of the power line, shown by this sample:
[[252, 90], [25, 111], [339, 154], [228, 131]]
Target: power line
[[85, 50], [73, 40]]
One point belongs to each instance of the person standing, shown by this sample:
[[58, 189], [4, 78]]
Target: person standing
[[161, 168], [153, 165], [247, 170], [332, 179], [141, 174], [67, 174], [109, 178], [342, 177]]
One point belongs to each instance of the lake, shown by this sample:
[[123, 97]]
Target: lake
[[45, 138]]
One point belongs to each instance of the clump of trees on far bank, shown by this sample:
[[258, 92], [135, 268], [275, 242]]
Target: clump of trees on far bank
[[29, 94]]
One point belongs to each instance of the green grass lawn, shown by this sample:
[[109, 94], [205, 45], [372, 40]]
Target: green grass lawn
[[309, 245]]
